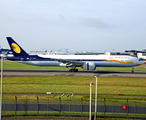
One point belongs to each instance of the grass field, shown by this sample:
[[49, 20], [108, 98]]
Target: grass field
[[15, 65], [76, 85]]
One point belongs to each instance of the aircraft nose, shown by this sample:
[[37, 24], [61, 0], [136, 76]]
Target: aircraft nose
[[142, 62]]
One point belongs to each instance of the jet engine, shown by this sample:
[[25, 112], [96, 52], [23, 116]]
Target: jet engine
[[89, 66]]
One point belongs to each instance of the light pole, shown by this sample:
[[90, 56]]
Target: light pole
[[96, 98], [1, 86], [90, 100]]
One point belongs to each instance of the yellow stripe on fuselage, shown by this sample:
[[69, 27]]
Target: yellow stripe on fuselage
[[127, 62]]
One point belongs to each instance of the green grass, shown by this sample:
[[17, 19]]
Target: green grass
[[65, 115], [55, 117], [76, 85], [15, 65]]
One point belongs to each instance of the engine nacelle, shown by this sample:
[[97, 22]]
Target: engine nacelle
[[89, 66]]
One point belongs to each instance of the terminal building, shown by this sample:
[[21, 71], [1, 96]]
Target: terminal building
[[139, 54], [88, 53]]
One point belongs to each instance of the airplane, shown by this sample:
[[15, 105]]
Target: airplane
[[1, 50], [87, 62], [6, 54]]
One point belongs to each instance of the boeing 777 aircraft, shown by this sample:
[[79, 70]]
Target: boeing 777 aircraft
[[87, 62]]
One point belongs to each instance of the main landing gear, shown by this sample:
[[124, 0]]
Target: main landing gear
[[73, 69]]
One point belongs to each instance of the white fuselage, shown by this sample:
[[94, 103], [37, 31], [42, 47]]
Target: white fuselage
[[98, 60]]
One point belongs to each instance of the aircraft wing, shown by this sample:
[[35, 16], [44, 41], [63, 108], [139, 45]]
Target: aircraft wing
[[69, 61]]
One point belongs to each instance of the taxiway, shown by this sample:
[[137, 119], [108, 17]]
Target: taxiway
[[42, 72]]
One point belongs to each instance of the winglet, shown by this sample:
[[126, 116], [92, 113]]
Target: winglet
[[15, 48]]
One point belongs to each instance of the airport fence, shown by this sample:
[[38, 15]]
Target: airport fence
[[73, 108]]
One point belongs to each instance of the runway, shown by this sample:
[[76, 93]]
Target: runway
[[44, 72]]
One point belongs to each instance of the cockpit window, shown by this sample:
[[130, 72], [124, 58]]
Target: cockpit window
[[140, 59]]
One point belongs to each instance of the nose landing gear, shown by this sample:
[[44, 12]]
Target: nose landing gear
[[132, 69]]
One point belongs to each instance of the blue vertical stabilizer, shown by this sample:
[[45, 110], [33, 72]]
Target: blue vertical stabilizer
[[15, 48]]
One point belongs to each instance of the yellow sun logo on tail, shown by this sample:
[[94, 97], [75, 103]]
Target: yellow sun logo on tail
[[15, 47]]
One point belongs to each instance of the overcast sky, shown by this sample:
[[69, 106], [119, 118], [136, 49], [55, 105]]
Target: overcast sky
[[77, 25]]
